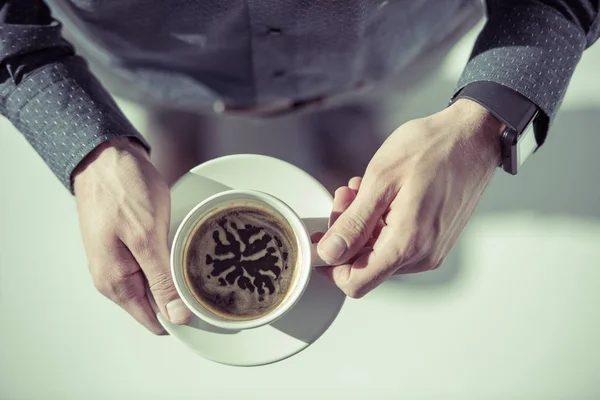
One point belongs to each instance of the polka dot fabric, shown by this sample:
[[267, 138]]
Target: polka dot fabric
[[60, 108], [530, 48], [21, 40], [65, 114]]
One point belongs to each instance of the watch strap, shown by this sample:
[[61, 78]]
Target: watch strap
[[509, 106]]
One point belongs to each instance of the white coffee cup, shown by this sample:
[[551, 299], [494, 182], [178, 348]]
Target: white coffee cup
[[306, 251]]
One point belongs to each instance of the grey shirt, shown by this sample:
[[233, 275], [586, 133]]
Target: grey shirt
[[193, 53]]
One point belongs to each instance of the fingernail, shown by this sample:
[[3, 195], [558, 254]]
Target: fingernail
[[333, 248], [178, 312]]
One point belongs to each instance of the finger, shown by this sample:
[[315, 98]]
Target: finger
[[443, 249], [152, 253], [354, 183], [341, 201], [118, 277], [431, 261], [355, 226], [134, 300], [344, 196], [429, 256], [369, 269], [315, 237], [419, 264]]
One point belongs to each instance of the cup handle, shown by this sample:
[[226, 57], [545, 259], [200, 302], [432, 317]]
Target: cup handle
[[314, 225]]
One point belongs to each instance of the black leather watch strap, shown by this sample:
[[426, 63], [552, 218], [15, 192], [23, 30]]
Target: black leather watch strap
[[509, 106]]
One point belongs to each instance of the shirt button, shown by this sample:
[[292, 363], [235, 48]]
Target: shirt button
[[275, 32], [218, 107]]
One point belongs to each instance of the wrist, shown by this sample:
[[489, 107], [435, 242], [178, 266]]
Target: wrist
[[479, 117], [105, 157], [480, 127]]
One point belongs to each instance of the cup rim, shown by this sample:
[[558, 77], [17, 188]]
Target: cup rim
[[184, 230]]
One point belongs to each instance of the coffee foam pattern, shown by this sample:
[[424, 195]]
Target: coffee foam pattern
[[241, 264]]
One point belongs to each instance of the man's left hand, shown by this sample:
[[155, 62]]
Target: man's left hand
[[415, 198]]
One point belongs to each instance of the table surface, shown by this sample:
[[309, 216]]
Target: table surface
[[513, 313]]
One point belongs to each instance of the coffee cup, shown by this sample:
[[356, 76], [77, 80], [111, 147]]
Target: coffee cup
[[242, 259]]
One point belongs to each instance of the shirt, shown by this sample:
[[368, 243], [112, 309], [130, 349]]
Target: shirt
[[256, 52]]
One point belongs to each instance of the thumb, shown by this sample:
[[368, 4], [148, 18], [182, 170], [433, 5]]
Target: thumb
[[354, 227], [153, 258]]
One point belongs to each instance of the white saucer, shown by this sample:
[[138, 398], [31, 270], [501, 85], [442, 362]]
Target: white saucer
[[321, 302]]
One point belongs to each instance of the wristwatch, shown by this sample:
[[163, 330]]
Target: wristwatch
[[526, 127]]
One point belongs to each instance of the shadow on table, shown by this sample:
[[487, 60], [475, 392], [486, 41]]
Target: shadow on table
[[315, 312]]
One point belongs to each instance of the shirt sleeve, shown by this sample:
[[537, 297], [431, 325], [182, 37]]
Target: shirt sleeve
[[533, 47], [48, 93]]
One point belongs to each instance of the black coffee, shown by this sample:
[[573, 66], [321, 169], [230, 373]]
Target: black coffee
[[241, 261]]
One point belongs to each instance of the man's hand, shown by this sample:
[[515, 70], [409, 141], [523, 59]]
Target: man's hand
[[124, 211], [416, 196]]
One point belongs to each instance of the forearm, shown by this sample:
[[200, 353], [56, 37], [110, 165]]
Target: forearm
[[48, 93]]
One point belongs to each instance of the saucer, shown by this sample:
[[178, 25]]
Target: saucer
[[321, 302]]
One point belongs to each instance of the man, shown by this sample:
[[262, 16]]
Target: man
[[419, 190]]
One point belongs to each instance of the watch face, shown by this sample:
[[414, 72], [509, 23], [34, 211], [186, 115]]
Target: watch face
[[526, 145], [516, 148]]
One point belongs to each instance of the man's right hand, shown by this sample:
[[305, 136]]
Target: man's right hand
[[124, 212]]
